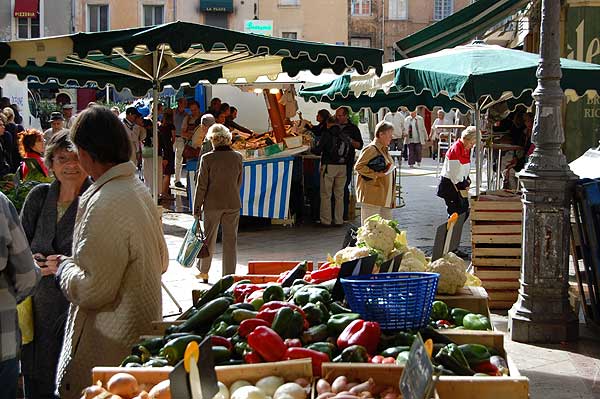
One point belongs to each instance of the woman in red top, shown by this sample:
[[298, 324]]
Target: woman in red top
[[31, 145]]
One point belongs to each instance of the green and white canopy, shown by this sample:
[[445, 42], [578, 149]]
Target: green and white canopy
[[173, 54]]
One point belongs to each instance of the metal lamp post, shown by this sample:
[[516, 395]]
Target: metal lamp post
[[542, 313]]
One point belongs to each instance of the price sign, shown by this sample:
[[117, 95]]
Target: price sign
[[354, 267], [180, 379], [417, 378]]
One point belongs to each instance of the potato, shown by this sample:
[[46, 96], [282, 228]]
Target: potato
[[124, 385], [162, 390]]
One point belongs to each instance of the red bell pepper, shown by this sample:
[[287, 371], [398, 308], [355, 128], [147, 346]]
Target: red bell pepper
[[360, 332], [252, 357], [254, 295], [487, 368], [269, 310], [267, 343], [248, 325], [293, 343], [241, 291], [216, 340], [317, 358], [326, 265], [389, 360], [324, 274]]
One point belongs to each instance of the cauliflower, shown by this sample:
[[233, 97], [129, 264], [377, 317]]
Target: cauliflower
[[413, 260], [452, 273], [350, 253], [378, 233]]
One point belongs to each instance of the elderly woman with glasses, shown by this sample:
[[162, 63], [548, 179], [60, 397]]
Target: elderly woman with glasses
[[218, 198], [48, 218]]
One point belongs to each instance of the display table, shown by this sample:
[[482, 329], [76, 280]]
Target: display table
[[266, 184]]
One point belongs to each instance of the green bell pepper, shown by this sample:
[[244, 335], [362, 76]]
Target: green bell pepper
[[474, 321], [439, 311], [324, 347], [241, 348], [338, 322], [454, 360], [288, 323], [353, 354], [311, 293], [316, 313], [399, 339], [314, 334], [219, 329], [458, 314], [273, 292], [475, 353], [337, 308], [402, 358], [394, 351]]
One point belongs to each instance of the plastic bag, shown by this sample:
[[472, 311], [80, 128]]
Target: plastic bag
[[25, 314]]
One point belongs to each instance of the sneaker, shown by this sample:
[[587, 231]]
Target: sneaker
[[418, 164], [411, 166], [179, 184]]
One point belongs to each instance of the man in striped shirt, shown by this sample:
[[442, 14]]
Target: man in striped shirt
[[18, 277]]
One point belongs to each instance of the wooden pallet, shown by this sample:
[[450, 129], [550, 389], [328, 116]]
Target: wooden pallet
[[496, 231]]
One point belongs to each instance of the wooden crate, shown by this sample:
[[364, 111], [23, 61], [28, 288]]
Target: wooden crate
[[474, 299], [513, 386], [289, 370], [274, 267], [496, 231]]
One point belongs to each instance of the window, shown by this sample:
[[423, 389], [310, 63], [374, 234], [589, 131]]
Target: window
[[289, 2], [289, 35], [98, 18], [28, 28], [361, 7], [154, 15], [217, 19], [360, 41], [442, 9], [398, 9]]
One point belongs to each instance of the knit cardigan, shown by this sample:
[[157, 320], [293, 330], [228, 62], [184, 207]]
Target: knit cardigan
[[113, 278]]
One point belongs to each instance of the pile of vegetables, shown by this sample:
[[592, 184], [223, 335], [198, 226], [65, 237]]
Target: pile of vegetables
[[458, 318], [252, 323], [125, 386]]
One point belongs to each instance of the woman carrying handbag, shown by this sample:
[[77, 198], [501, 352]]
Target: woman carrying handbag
[[376, 179]]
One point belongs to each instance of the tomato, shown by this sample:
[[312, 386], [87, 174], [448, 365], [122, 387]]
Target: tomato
[[388, 360]]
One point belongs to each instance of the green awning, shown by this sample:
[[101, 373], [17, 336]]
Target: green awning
[[459, 28], [216, 5]]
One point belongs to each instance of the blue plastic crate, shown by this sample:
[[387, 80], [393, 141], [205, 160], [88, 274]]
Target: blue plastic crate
[[397, 301]]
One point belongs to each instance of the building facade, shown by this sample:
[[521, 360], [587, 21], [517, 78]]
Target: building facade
[[381, 23], [28, 19], [315, 20]]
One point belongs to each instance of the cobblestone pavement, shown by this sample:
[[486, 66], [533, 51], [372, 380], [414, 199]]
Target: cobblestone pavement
[[555, 371]]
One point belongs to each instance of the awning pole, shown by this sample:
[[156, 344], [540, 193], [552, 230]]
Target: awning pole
[[155, 164], [477, 150]]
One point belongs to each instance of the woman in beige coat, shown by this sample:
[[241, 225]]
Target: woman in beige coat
[[119, 253], [376, 189], [218, 198]]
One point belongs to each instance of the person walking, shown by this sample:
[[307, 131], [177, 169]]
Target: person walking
[[217, 198], [113, 278], [179, 116], [48, 218], [334, 148], [415, 135], [166, 138], [376, 183], [455, 180], [351, 130], [20, 276]]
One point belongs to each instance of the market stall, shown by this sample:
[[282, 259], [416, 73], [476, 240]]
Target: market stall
[[267, 180], [149, 58]]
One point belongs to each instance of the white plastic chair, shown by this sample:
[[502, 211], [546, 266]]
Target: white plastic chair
[[443, 146]]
